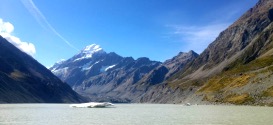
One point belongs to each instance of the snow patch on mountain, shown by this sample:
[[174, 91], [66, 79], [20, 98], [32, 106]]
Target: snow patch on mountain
[[88, 66], [60, 71], [106, 68], [109, 67]]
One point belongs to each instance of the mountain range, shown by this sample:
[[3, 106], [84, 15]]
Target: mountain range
[[235, 68], [105, 76]]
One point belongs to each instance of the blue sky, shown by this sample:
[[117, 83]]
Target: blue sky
[[51, 30]]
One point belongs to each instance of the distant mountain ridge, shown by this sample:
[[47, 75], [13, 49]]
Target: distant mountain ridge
[[108, 76], [24, 80]]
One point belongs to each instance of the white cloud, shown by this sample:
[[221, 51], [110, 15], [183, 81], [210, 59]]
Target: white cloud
[[41, 19], [197, 38], [6, 29]]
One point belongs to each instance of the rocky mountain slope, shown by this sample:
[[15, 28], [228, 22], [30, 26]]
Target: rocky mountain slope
[[24, 80], [105, 76], [236, 68], [169, 68]]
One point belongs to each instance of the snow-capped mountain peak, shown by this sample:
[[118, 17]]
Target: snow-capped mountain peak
[[92, 48], [89, 51]]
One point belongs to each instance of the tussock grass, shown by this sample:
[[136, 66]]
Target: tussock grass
[[215, 88], [268, 92], [218, 83], [252, 66], [238, 76], [238, 99]]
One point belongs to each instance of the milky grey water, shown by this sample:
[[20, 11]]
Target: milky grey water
[[134, 114]]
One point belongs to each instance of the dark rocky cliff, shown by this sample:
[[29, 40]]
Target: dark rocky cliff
[[24, 80]]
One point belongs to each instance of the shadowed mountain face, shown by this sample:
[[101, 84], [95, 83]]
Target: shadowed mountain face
[[169, 68], [235, 68], [24, 80]]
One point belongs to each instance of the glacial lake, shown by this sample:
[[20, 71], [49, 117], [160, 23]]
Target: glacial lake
[[134, 114]]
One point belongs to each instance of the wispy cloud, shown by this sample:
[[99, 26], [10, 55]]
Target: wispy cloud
[[41, 19], [197, 38], [6, 29]]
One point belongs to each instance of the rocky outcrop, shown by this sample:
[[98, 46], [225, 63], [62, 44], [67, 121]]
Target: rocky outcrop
[[24, 80]]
